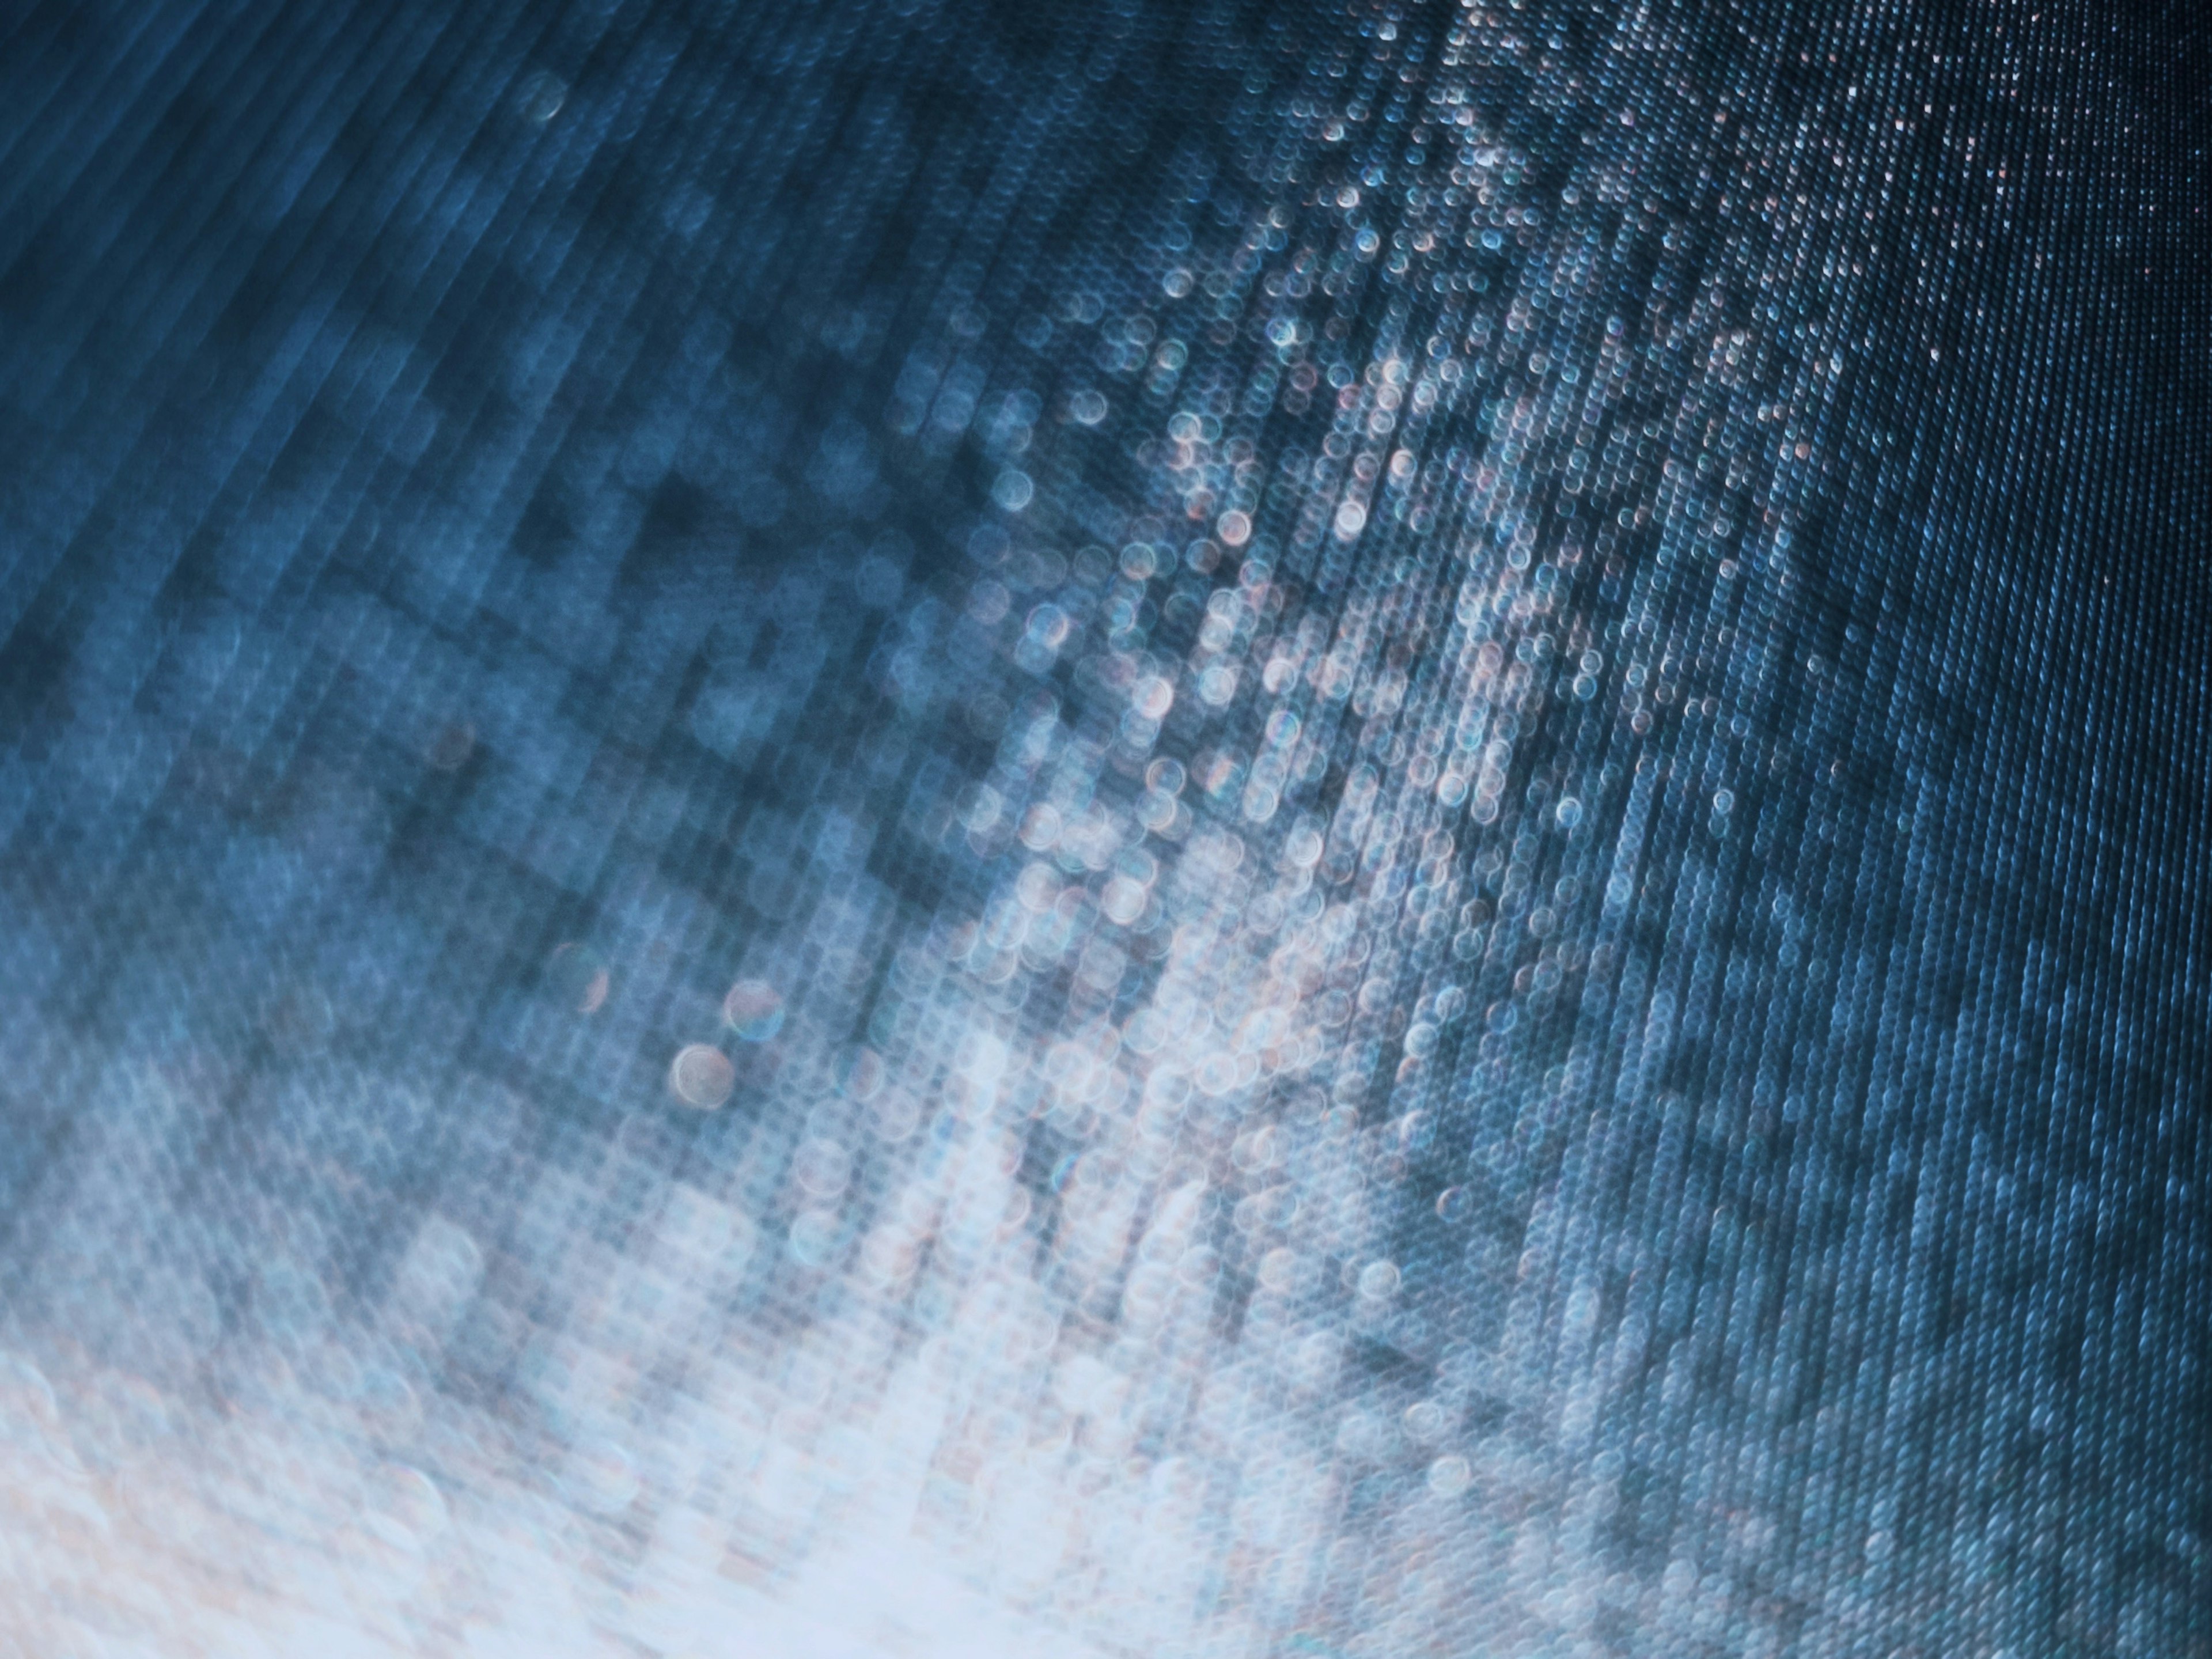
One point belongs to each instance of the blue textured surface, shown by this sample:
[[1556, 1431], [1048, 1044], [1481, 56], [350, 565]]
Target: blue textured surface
[[1373, 830]]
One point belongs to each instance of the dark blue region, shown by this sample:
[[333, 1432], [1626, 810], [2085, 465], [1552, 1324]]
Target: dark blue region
[[451, 514], [436, 533]]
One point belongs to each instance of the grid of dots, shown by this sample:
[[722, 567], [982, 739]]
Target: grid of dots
[[957, 828]]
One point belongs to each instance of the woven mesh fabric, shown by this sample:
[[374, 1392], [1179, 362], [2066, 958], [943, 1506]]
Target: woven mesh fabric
[[932, 828]]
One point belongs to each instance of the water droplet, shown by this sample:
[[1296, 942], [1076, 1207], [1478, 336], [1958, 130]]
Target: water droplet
[[753, 1010], [579, 978], [1379, 1280], [449, 750], [540, 96], [601, 1477], [702, 1076], [1449, 1476]]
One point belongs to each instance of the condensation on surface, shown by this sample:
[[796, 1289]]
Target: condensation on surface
[[929, 829]]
